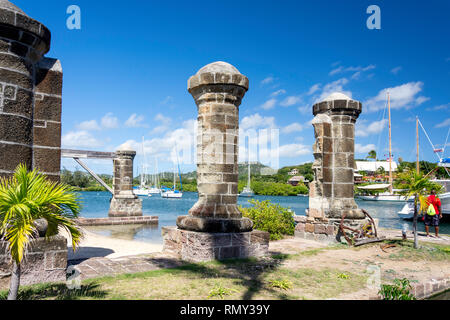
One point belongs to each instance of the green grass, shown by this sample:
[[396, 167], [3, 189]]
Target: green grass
[[426, 251], [232, 279]]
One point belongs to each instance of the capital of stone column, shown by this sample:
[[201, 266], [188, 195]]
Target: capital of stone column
[[217, 89], [16, 25], [338, 104]]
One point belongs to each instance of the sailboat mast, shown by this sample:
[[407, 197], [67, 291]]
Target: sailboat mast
[[248, 182], [417, 142], [390, 144]]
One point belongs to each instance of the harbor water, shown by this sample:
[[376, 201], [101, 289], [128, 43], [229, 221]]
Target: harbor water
[[96, 205]]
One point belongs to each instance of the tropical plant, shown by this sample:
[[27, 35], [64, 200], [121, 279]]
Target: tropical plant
[[400, 290], [26, 197], [417, 186], [273, 218], [372, 155]]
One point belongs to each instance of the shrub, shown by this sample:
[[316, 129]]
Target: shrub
[[400, 290], [273, 218]]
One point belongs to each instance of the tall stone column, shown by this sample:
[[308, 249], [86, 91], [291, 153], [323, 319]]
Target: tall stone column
[[124, 202], [23, 42], [218, 89], [214, 227], [331, 193]]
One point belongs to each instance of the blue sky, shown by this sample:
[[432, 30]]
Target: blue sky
[[126, 70]]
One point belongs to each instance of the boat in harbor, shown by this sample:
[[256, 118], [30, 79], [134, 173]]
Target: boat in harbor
[[247, 191], [174, 193], [142, 190], [155, 188], [382, 196]]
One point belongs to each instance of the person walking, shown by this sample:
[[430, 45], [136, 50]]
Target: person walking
[[433, 214]]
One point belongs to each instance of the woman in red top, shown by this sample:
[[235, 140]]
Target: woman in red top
[[433, 220]]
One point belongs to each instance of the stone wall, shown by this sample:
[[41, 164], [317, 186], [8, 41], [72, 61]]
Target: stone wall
[[203, 246], [30, 95], [45, 261]]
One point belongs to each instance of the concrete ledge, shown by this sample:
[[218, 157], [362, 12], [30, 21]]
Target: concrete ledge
[[117, 221], [195, 246]]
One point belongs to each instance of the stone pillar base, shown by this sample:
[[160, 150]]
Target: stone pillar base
[[45, 261], [125, 207], [323, 229], [195, 246]]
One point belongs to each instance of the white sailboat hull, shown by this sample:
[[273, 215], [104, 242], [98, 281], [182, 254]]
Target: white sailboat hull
[[141, 192], [247, 192], [390, 197], [171, 194], [154, 191]]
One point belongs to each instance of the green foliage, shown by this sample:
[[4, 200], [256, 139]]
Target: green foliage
[[400, 290], [343, 276], [220, 291], [274, 188], [372, 155], [82, 181], [281, 284], [28, 196], [273, 218]]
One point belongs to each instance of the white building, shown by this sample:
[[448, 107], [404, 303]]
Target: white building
[[373, 166]]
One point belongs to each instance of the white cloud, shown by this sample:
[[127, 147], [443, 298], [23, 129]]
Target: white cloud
[[305, 109], [256, 121], [335, 86], [164, 124], [278, 92], [90, 125], [364, 149], [181, 139], [364, 130], [396, 70], [269, 104], [268, 80], [167, 100], [135, 121], [109, 121], [80, 139], [359, 69], [445, 123], [313, 89], [293, 127], [294, 150], [440, 107], [403, 96], [290, 101]]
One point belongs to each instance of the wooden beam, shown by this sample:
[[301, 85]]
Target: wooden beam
[[84, 154]]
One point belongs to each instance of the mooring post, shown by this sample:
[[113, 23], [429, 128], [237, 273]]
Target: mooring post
[[215, 226], [124, 202]]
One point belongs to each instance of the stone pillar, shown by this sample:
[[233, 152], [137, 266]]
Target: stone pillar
[[218, 90], [331, 194], [23, 43], [124, 202], [215, 226]]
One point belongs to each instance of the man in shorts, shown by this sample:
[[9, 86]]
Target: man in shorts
[[433, 219]]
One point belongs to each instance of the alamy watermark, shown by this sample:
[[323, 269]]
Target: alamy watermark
[[374, 20], [73, 22]]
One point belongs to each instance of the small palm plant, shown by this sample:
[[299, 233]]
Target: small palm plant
[[418, 186], [27, 197]]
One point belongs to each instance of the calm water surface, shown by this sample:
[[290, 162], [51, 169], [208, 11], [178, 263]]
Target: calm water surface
[[96, 205]]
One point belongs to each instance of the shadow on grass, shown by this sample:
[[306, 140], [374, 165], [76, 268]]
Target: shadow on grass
[[248, 273], [58, 291]]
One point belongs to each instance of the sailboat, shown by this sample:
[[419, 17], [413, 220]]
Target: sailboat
[[155, 189], [174, 193], [247, 191], [388, 194], [142, 190]]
